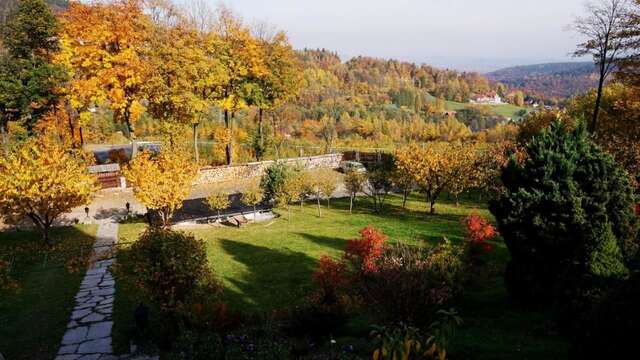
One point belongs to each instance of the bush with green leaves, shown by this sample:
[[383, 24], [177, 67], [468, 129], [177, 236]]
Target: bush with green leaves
[[169, 268], [566, 216], [274, 178]]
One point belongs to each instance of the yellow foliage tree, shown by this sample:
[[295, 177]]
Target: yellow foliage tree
[[42, 181], [161, 182], [242, 57], [289, 191], [437, 167], [326, 184], [354, 182], [105, 49], [252, 197], [218, 202], [185, 77]]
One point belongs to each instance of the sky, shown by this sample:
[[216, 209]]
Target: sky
[[480, 35]]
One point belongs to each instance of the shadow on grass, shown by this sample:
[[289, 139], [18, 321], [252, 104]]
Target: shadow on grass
[[273, 279], [33, 320], [331, 242]]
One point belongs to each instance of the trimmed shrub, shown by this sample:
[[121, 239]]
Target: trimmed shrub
[[169, 268], [567, 205]]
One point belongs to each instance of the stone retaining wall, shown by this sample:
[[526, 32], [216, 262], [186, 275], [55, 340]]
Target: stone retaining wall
[[256, 169]]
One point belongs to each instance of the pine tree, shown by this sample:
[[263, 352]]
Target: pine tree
[[561, 210], [28, 80]]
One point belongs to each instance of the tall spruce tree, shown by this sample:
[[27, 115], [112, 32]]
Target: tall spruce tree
[[567, 212], [28, 79]]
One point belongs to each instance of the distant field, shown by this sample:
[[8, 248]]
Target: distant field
[[506, 110]]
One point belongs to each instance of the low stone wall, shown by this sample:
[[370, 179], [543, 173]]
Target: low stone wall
[[256, 169]]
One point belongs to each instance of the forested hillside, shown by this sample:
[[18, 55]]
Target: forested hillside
[[7, 5], [559, 80], [368, 88]]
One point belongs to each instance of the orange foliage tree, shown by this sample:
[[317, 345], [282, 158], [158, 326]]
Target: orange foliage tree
[[438, 167], [105, 49]]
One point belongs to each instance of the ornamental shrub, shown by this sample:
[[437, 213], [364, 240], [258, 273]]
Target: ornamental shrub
[[273, 179], [364, 252], [394, 283], [567, 212], [478, 232], [411, 283], [169, 268]]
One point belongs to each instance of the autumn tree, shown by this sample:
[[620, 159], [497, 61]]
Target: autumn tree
[[281, 80], [327, 182], [252, 197], [436, 167], [603, 28], [185, 75], [41, 181], [161, 182], [289, 191], [242, 57], [404, 182], [105, 46], [218, 201], [354, 182], [619, 129]]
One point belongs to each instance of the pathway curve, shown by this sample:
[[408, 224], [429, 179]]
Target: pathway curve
[[88, 335]]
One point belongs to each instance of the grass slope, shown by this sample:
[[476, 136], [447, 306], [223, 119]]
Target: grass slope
[[33, 320]]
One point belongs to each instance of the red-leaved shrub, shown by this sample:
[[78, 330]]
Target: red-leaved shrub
[[478, 232], [638, 209], [364, 252], [331, 277]]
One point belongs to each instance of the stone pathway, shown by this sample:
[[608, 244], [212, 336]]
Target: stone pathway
[[88, 335]]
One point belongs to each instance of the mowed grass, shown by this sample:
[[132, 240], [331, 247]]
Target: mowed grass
[[269, 266], [33, 319]]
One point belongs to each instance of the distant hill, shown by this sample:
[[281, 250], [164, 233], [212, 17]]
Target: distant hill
[[6, 6], [560, 80]]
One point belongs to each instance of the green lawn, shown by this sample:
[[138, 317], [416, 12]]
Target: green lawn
[[268, 266], [33, 320]]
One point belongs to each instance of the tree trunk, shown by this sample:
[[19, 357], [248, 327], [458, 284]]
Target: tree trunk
[[405, 195], [432, 210], [4, 128], [318, 201], [260, 131], [351, 204], [328, 202], [45, 234], [195, 143], [81, 136], [596, 111], [457, 200], [254, 213], [229, 148], [72, 132]]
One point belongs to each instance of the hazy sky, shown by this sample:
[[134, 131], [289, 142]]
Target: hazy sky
[[476, 34]]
